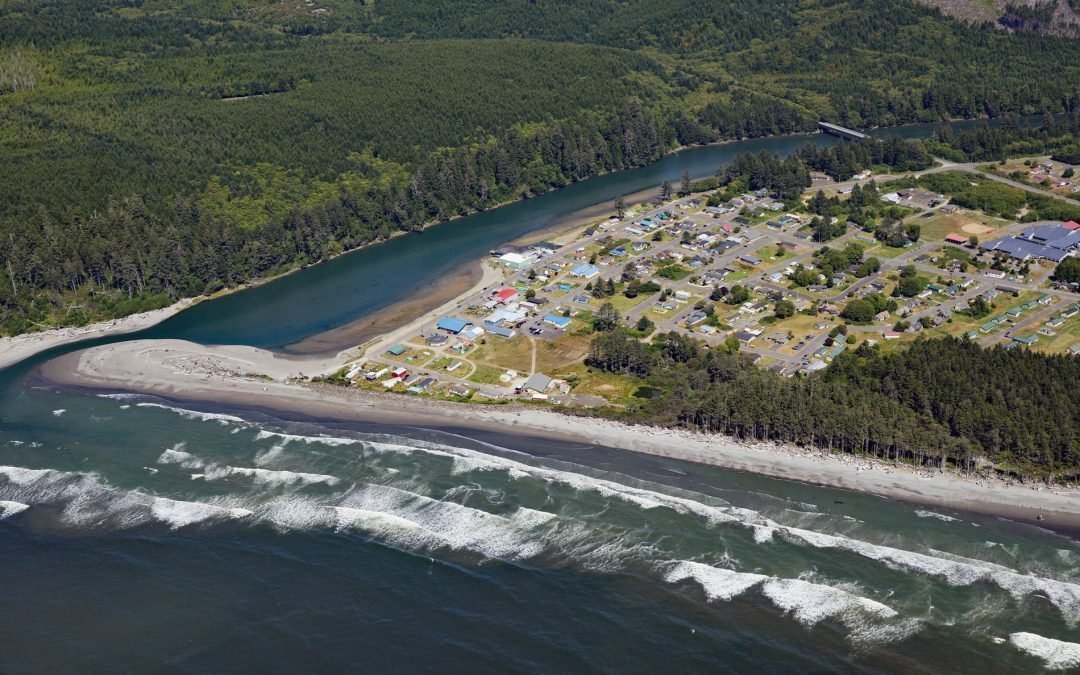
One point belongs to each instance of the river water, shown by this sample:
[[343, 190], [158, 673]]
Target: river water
[[137, 533]]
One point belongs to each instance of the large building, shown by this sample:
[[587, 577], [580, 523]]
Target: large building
[[1048, 241], [516, 261]]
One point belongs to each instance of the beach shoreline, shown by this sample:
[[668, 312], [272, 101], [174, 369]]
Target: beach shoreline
[[253, 379], [21, 347]]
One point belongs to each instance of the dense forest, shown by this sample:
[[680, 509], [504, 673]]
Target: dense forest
[[940, 402], [156, 149]]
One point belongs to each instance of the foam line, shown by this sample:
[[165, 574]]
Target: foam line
[[1055, 654], [8, 509]]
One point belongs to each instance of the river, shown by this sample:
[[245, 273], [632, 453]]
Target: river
[[136, 533]]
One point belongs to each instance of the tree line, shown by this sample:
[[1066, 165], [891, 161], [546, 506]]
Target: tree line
[[940, 403]]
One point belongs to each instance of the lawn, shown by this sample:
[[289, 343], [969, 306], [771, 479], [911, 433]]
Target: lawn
[[486, 374], [769, 254], [567, 352], [510, 354], [879, 250], [800, 325], [625, 304], [964, 222]]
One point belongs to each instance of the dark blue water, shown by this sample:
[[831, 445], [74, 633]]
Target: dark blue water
[[138, 534]]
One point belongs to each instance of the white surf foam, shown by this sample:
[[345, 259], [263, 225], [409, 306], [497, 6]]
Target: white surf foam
[[178, 456], [297, 438], [717, 582], [1055, 654], [461, 527], [469, 460], [1064, 595], [938, 516], [8, 509], [20, 476], [271, 476], [119, 397], [220, 418], [178, 514], [59, 412], [812, 603], [868, 621]]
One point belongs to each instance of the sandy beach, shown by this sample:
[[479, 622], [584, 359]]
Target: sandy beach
[[245, 377], [20, 347]]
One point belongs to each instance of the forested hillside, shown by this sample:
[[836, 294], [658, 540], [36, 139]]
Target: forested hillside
[[156, 149]]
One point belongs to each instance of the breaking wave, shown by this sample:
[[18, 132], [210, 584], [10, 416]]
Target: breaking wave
[[1055, 654], [8, 509], [196, 414], [961, 572], [937, 516], [213, 471], [808, 603]]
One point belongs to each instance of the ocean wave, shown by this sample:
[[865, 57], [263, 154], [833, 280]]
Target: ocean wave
[[178, 514], [58, 413], [1055, 654], [271, 476], [87, 502], [297, 438], [1062, 594], [937, 516], [868, 621], [460, 527], [466, 460], [220, 418], [177, 456], [717, 583], [8, 508]]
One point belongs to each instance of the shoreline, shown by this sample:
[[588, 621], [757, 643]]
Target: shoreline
[[21, 347], [239, 377]]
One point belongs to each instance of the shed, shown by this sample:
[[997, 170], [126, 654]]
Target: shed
[[397, 350], [957, 239]]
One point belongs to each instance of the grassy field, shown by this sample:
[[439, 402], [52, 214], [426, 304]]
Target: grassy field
[[512, 354], [486, 374], [800, 325], [564, 354], [618, 389], [879, 250], [623, 303], [964, 222]]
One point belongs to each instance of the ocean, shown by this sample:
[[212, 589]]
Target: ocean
[[137, 533]]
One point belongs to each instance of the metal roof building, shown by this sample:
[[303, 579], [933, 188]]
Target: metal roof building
[[452, 325], [537, 382]]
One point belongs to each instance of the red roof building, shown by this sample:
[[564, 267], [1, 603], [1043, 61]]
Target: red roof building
[[954, 238], [506, 295], [1072, 225]]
